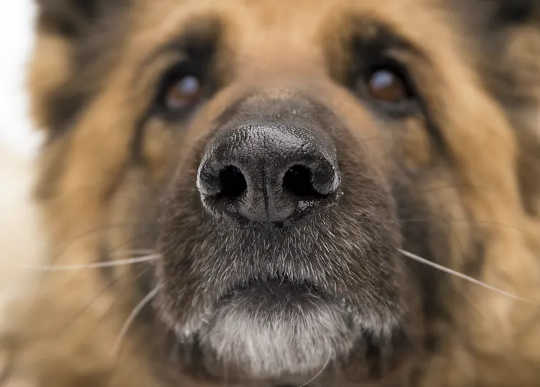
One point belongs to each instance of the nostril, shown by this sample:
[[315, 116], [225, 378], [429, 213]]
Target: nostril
[[232, 181], [298, 180], [267, 175]]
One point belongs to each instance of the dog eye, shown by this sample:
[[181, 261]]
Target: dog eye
[[183, 93], [387, 85], [181, 89]]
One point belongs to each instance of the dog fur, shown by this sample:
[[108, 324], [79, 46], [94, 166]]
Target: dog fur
[[453, 180]]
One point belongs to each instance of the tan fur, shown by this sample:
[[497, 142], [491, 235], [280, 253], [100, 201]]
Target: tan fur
[[494, 341]]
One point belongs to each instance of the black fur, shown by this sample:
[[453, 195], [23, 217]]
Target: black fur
[[515, 11], [266, 302], [278, 302], [93, 29]]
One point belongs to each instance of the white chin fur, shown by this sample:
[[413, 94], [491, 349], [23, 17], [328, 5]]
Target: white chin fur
[[287, 340]]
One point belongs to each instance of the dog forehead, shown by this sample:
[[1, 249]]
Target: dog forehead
[[279, 10], [281, 23]]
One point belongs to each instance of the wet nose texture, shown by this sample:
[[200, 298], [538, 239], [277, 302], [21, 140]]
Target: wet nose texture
[[268, 173]]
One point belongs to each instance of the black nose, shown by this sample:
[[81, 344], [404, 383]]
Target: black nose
[[268, 173]]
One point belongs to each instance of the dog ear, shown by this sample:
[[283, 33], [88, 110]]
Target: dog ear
[[73, 18], [512, 37], [515, 12], [75, 45]]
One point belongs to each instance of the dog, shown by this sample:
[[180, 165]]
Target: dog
[[315, 193]]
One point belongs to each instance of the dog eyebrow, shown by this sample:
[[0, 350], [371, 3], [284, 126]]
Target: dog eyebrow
[[362, 40], [372, 34], [200, 37]]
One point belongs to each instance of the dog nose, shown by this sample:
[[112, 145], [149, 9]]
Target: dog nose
[[268, 173]]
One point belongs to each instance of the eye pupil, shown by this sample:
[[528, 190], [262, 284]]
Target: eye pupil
[[189, 85], [184, 92], [386, 85]]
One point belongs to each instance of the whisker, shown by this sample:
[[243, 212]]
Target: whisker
[[466, 221], [132, 316], [89, 266], [465, 277], [71, 321], [317, 374], [132, 252], [65, 247]]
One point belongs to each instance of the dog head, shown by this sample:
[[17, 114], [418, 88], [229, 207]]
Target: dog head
[[279, 160]]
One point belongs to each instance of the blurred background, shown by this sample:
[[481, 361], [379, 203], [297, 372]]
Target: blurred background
[[19, 235], [16, 34]]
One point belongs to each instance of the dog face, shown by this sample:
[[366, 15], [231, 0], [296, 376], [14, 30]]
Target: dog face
[[280, 159]]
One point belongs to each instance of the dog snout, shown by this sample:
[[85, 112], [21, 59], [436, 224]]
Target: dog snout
[[268, 173]]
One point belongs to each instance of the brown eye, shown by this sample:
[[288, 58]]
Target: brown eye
[[183, 93], [388, 86]]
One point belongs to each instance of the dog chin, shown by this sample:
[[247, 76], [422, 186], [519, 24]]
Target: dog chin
[[276, 331]]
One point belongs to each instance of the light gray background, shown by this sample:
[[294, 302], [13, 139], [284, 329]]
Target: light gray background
[[20, 238], [16, 25]]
